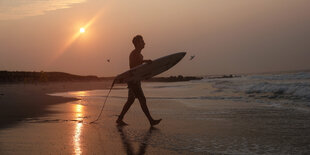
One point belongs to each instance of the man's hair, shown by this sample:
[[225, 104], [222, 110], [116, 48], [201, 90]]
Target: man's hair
[[136, 40]]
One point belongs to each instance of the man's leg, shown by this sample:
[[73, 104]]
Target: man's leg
[[145, 109], [126, 107]]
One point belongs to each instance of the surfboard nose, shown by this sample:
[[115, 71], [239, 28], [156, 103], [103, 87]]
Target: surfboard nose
[[178, 56], [182, 54]]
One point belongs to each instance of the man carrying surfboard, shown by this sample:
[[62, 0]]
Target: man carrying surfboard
[[134, 87]]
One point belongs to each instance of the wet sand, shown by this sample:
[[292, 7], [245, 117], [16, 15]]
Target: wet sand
[[20, 101], [188, 127]]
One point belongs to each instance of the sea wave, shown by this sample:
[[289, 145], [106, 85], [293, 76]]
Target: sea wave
[[289, 90], [285, 86]]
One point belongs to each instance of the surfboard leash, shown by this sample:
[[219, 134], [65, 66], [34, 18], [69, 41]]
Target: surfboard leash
[[104, 103]]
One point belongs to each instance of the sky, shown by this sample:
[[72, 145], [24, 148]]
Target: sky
[[227, 37]]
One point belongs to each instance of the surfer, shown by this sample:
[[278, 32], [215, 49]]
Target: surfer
[[134, 87]]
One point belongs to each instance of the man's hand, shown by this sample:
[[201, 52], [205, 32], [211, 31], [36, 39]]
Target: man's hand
[[148, 61]]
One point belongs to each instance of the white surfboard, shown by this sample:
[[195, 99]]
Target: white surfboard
[[146, 71]]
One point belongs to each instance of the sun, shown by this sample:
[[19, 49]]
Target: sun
[[82, 30]]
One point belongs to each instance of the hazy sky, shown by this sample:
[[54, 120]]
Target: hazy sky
[[227, 36]]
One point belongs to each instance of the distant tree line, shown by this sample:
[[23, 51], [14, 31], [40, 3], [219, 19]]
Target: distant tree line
[[41, 77], [33, 77]]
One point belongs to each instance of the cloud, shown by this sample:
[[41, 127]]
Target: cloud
[[16, 9]]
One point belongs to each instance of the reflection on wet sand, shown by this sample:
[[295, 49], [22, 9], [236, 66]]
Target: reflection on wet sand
[[76, 138], [143, 145], [78, 108], [79, 93]]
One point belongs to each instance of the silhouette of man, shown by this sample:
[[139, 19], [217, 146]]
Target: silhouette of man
[[134, 87]]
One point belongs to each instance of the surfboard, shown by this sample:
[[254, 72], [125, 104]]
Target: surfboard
[[148, 70]]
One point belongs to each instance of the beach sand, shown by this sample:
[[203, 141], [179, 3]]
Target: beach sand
[[43, 126]]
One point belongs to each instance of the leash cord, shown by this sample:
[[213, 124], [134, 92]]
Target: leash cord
[[104, 102]]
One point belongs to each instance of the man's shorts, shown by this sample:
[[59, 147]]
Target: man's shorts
[[135, 90]]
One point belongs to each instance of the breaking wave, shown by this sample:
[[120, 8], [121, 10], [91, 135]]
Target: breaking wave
[[290, 90], [295, 87]]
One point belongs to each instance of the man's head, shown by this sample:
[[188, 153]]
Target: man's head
[[138, 42]]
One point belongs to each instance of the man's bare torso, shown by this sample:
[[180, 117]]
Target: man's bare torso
[[135, 59]]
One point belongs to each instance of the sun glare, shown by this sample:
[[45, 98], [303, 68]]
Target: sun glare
[[75, 36], [82, 30]]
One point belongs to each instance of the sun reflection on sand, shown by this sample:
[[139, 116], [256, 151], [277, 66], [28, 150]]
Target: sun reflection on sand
[[78, 108], [77, 140], [79, 93]]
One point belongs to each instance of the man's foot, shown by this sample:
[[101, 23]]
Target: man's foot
[[121, 123], [155, 122]]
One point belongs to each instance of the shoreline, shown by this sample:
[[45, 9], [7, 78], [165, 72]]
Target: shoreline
[[21, 101]]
